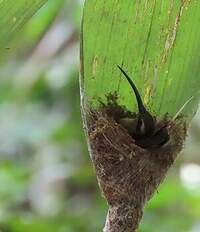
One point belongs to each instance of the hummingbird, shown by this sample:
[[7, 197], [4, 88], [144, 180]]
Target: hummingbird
[[144, 129]]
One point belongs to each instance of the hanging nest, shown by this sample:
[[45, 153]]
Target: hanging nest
[[128, 174]]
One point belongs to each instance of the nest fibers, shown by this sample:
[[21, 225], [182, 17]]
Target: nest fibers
[[128, 174]]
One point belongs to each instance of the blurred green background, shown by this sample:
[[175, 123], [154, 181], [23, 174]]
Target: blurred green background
[[47, 182]]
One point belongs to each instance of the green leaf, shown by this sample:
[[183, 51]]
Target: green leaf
[[13, 15], [40, 23], [156, 42], [36, 27]]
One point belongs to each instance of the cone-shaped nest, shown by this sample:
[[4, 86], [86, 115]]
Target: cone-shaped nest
[[128, 174]]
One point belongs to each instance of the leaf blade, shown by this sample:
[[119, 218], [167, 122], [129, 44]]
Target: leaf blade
[[14, 16], [151, 40]]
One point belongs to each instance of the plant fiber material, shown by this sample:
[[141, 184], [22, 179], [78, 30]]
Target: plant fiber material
[[127, 174]]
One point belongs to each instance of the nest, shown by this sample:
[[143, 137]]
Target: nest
[[128, 174]]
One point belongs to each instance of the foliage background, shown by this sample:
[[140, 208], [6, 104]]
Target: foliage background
[[47, 181]]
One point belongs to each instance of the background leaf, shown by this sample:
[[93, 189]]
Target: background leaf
[[13, 15]]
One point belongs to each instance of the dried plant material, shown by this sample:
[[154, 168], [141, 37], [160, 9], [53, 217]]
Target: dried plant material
[[128, 174]]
